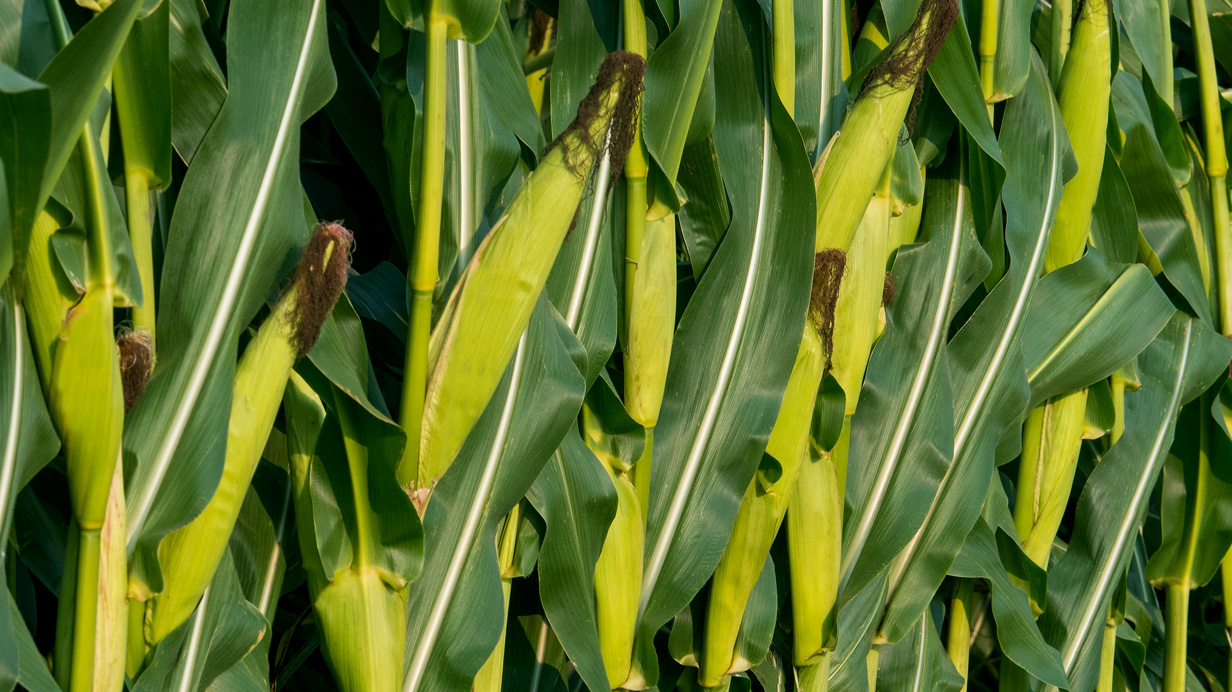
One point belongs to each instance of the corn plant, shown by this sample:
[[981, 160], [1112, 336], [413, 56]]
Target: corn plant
[[615, 345]]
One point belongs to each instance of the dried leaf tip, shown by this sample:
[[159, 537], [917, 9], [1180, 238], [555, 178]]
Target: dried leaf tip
[[620, 70], [318, 280], [828, 266], [136, 353]]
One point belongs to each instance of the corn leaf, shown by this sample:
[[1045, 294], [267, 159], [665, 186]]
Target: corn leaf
[[25, 107], [821, 96], [29, 440], [215, 276], [223, 630], [1079, 328], [736, 342], [674, 76], [143, 88], [1017, 632], [21, 664], [576, 499], [198, 86], [918, 661], [1195, 506]]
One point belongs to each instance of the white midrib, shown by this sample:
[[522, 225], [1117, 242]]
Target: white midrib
[[827, 29], [915, 395], [9, 468], [143, 502], [466, 180], [573, 314], [680, 497], [188, 673], [1108, 571], [271, 567], [919, 661], [462, 549], [963, 434]]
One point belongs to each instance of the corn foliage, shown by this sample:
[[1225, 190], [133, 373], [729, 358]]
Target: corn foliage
[[538, 345]]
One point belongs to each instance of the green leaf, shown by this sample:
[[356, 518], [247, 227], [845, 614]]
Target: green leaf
[[985, 359], [1195, 505], [820, 94], [524, 422], [341, 356], [489, 118], [674, 75], [222, 631], [22, 664], [238, 214], [1150, 36], [917, 662], [576, 499], [31, 46], [1114, 223], [1016, 629], [1183, 361], [737, 340], [29, 439], [198, 87], [25, 108], [1087, 320], [76, 77]]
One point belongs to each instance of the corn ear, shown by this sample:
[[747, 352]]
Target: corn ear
[[1052, 438], [652, 321], [814, 539], [87, 404], [359, 600], [864, 146], [618, 578], [491, 305], [760, 515], [190, 555], [1083, 98], [859, 297]]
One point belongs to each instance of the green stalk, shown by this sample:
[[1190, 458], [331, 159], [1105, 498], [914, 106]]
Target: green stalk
[[423, 273], [988, 51], [784, 34], [814, 677], [85, 612], [1062, 25], [958, 638], [1216, 157], [636, 165], [1107, 657], [1177, 607], [140, 232]]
